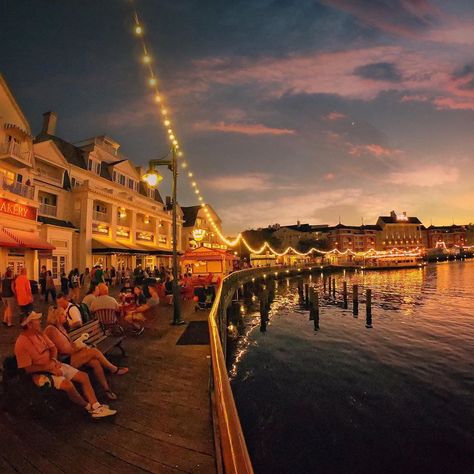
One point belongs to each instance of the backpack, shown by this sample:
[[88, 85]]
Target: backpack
[[83, 309]]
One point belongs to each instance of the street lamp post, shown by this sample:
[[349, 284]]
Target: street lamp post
[[153, 179]]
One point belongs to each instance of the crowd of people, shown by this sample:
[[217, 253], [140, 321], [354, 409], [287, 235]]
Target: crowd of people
[[50, 356]]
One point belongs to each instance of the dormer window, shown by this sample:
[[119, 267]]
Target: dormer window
[[94, 166]]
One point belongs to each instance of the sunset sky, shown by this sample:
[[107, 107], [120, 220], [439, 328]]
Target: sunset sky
[[286, 110]]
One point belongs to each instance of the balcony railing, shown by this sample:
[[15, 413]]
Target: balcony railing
[[100, 216], [47, 210], [17, 188], [14, 149]]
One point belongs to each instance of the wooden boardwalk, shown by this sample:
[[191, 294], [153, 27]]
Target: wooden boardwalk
[[163, 425]]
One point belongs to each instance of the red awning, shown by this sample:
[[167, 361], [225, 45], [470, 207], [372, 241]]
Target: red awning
[[27, 239], [6, 240]]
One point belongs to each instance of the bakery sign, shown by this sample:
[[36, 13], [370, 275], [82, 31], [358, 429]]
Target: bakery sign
[[16, 209]]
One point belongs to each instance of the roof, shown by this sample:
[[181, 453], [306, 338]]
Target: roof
[[142, 190], [391, 220], [56, 222], [73, 155], [447, 228]]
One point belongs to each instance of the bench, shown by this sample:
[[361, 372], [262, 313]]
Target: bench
[[100, 336]]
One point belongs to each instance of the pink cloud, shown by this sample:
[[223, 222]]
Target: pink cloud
[[404, 18], [453, 103], [426, 176], [335, 116], [415, 98], [245, 129], [329, 176], [372, 149]]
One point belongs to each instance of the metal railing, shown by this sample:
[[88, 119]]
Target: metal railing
[[235, 456], [17, 188], [100, 216], [47, 210], [14, 149]]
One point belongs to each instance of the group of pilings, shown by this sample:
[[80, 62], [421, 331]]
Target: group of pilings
[[309, 297]]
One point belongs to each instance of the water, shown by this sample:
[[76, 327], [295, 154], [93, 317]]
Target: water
[[397, 398]]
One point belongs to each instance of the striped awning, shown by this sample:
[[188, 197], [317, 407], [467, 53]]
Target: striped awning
[[27, 239]]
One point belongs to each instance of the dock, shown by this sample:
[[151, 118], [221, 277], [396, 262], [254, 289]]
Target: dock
[[164, 420]]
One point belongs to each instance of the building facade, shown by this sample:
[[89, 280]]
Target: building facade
[[198, 230], [354, 238], [400, 231], [70, 205], [446, 237]]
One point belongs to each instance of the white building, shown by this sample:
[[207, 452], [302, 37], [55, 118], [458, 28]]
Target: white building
[[74, 205]]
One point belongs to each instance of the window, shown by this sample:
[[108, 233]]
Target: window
[[58, 265], [114, 176], [131, 183], [89, 165], [122, 179]]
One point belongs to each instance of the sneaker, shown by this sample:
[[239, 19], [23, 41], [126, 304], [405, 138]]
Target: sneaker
[[102, 411]]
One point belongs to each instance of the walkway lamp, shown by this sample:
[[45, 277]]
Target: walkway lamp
[[152, 178]]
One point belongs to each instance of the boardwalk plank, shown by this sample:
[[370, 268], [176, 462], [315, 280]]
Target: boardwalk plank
[[163, 423]]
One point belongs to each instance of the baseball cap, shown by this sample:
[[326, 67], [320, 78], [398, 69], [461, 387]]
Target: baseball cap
[[31, 317]]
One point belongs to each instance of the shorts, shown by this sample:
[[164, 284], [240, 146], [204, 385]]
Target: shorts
[[68, 373]]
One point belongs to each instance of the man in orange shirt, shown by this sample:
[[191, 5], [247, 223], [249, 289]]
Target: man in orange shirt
[[23, 293]]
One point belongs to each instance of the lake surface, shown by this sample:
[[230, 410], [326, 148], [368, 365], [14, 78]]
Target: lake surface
[[396, 398]]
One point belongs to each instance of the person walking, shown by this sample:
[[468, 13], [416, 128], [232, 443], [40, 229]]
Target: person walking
[[74, 285], [64, 284], [8, 297], [50, 287], [22, 289], [86, 279], [42, 280]]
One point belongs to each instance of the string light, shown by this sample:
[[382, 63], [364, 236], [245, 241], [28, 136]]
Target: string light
[[147, 60]]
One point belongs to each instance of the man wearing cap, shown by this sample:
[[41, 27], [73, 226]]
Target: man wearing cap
[[37, 355]]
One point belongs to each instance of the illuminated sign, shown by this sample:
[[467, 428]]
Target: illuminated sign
[[145, 236], [123, 233], [15, 209], [100, 229], [401, 217], [199, 234]]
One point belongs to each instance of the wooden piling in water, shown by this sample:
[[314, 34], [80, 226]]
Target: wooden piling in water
[[324, 285], [368, 308], [334, 288], [344, 294], [314, 308], [306, 293], [355, 300], [300, 291]]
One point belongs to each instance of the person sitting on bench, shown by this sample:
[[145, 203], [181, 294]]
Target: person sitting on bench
[[78, 356], [37, 355]]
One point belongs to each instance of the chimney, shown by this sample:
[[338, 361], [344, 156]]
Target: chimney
[[50, 120]]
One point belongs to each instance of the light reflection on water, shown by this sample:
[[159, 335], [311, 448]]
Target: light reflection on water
[[394, 398]]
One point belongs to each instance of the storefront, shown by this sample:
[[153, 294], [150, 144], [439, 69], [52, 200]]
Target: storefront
[[20, 242], [202, 261], [120, 255]]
